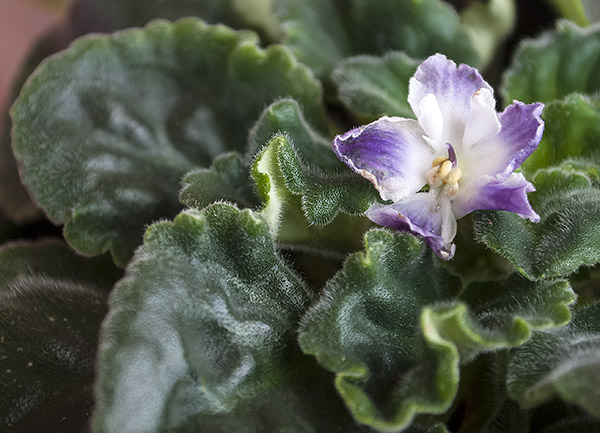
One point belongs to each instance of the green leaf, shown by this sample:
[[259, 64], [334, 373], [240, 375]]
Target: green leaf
[[592, 10], [489, 23], [572, 131], [303, 206], [473, 261], [87, 16], [558, 62], [365, 329], [15, 202], [285, 116], [226, 179], [371, 87], [509, 418], [507, 310], [105, 131], [572, 10], [390, 327], [51, 305], [323, 33], [564, 362], [567, 236], [201, 335]]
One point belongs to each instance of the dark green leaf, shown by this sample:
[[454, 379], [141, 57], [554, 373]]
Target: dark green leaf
[[322, 33], [15, 202], [572, 131], [201, 336], [285, 116], [473, 261], [87, 16], [383, 327], [365, 330], [564, 362], [558, 62], [105, 131], [371, 87], [303, 206], [509, 418], [51, 305], [226, 179], [567, 237]]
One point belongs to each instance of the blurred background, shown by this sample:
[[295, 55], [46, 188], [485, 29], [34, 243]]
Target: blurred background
[[21, 23]]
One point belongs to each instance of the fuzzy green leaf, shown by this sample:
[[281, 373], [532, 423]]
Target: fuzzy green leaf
[[509, 418], [51, 305], [567, 236], [105, 130], [365, 329], [326, 185], [323, 33], [285, 116], [88, 16], [572, 131], [201, 336], [390, 327], [564, 362], [555, 64], [226, 179], [303, 206], [371, 87]]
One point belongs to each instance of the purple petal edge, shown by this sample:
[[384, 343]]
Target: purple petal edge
[[510, 195], [453, 86], [389, 152], [389, 216], [522, 130]]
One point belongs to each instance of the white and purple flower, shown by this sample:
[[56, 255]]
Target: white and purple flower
[[457, 157]]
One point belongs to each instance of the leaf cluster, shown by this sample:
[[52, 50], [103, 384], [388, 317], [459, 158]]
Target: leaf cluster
[[215, 272]]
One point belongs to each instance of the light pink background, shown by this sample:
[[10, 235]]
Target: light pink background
[[21, 22]]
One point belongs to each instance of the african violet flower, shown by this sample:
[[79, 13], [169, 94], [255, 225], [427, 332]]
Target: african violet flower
[[457, 157]]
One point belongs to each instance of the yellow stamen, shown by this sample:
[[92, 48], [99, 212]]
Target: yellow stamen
[[454, 175], [438, 161], [445, 168]]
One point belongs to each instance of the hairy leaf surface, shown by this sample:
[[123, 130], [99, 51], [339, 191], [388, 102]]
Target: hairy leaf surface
[[563, 362], [323, 33], [559, 62], [371, 87], [51, 305], [201, 335], [567, 236], [392, 329], [105, 130]]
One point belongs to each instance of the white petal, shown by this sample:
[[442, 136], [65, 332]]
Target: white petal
[[390, 152], [482, 123], [431, 120], [453, 87]]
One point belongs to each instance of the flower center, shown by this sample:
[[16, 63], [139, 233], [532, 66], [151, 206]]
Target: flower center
[[444, 172]]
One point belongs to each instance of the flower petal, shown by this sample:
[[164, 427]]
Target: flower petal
[[483, 123], [424, 215], [390, 152], [522, 129], [452, 87], [510, 195]]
